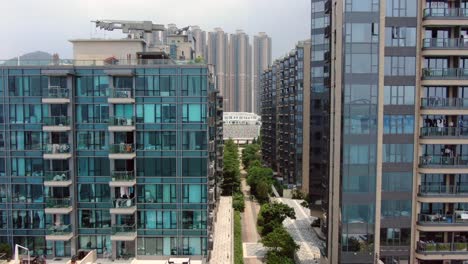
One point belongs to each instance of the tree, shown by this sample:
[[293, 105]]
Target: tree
[[238, 202], [272, 216], [250, 153], [262, 192], [273, 257], [5, 249], [281, 242], [260, 180], [231, 170]]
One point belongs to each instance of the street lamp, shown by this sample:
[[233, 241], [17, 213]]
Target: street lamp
[[17, 253]]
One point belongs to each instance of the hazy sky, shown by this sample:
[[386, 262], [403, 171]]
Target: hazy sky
[[47, 25]]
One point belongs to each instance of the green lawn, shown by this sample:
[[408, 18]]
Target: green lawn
[[238, 254]]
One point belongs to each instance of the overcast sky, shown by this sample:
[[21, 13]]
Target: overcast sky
[[47, 25]]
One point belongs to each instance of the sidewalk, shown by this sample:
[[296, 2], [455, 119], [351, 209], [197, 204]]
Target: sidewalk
[[223, 251]]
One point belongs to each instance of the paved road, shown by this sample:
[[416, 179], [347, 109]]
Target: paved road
[[223, 251]]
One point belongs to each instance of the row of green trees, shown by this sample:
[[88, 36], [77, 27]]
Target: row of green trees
[[231, 169]]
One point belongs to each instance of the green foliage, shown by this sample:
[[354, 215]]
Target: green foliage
[[260, 180], [279, 188], [272, 215], [305, 204], [231, 171], [298, 194], [238, 202], [262, 191], [274, 257], [199, 59], [5, 249], [238, 254], [281, 242], [250, 153]]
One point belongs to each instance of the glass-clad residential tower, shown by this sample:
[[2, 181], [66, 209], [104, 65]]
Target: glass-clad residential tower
[[116, 156]]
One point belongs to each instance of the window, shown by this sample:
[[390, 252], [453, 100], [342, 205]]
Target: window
[[28, 219], [27, 113], [400, 36], [362, 5], [194, 113], [98, 242], [93, 166], [26, 140], [395, 237], [94, 192], [193, 85], [194, 193], [151, 246], [400, 66], [401, 8], [397, 153], [159, 167], [156, 113], [88, 218], [392, 208], [27, 85], [92, 140], [27, 167], [194, 167], [156, 140], [194, 219], [398, 124], [361, 33], [397, 181], [157, 219], [92, 85], [30, 193], [194, 140], [358, 154], [399, 95], [92, 113], [157, 193]]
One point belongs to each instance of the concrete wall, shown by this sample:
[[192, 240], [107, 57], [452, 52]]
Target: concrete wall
[[103, 49]]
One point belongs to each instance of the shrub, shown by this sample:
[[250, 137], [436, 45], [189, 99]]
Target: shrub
[[280, 240], [238, 254], [238, 202], [5, 249], [274, 257]]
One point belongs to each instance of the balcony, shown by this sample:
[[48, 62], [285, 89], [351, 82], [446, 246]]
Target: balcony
[[444, 103], [58, 205], [57, 151], [123, 233], [120, 96], [436, 250], [445, 13], [122, 179], [443, 222], [59, 233], [56, 123], [56, 95], [57, 179], [444, 133], [437, 190], [437, 161], [122, 151], [445, 73], [123, 206], [121, 124]]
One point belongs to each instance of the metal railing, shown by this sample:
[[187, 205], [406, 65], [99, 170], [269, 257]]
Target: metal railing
[[444, 132], [123, 202], [437, 189], [59, 230], [449, 73], [440, 102], [123, 176], [57, 202], [70, 62], [435, 247], [120, 93], [56, 121], [437, 160], [123, 229], [445, 43], [57, 175], [445, 12], [456, 218], [121, 121], [57, 148], [57, 92], [121, 148]]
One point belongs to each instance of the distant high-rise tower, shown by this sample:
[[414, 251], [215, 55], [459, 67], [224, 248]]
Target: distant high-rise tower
[[217, 54], [200, 41], [240, 72], [262, 59]]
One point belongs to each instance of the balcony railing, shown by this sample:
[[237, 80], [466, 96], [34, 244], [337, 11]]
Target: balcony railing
[[123, 176], [57, 148], [59, 230], [460, 217], [56, 121], [436, 247], [123, 202], [121, 121], [443, 161], [445, 43], [440, 102], [57, 175], [444, 132], [120, 93], [58, 202], [57, 92], [446, 12], [121, 148], [123, 229], [436, 189], [445, 73]]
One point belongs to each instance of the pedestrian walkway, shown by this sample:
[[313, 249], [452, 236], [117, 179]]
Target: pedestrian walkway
[[301, 231], [223, 250]]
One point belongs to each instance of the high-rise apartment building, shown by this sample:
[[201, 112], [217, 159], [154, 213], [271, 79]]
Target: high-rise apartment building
[[217, 53], [200, 42], [240, 72], [286, 115], [114, 155], [262, 60]]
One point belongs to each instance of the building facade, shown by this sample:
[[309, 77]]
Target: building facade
[[285, 116], [262, 60], [200, 42], [217, 53], [122, 158], [239, 78]]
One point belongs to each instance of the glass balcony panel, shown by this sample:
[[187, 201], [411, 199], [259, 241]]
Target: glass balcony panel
[[57, 175], [121, 121], [57, 92], [56, 121], [123, 202], [445, 12], [123, 175], [118, 229], [58, 202], [438, 189], [121, 148], [59, 230], [444, 131], [435, 247], [120, 93], [57, 148], [437, 160]]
